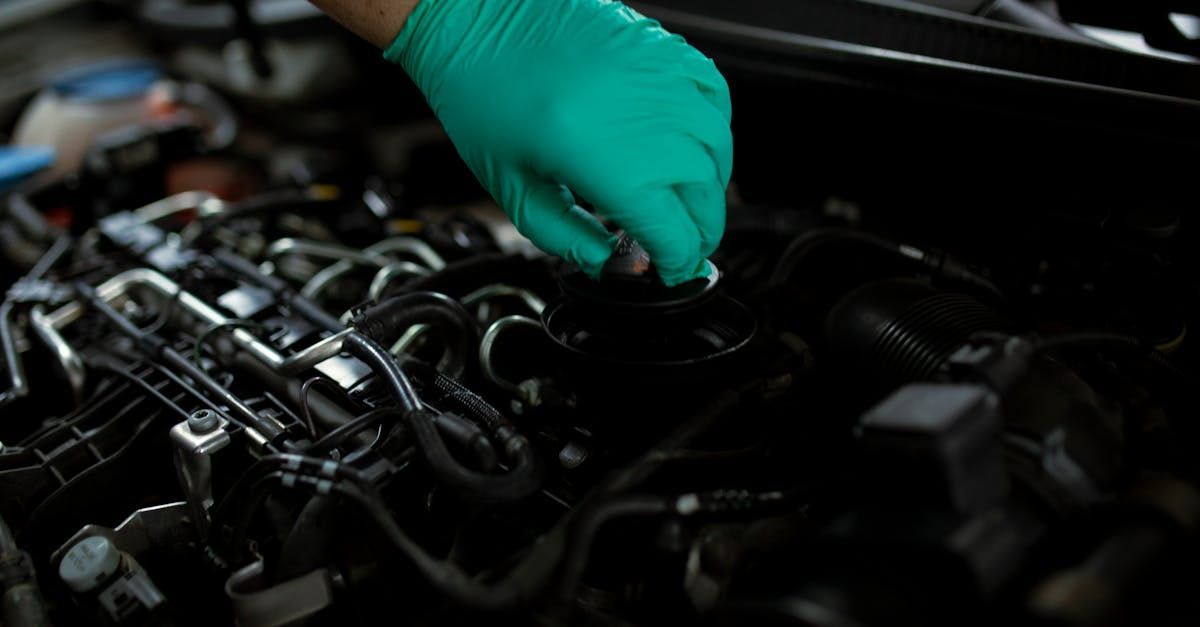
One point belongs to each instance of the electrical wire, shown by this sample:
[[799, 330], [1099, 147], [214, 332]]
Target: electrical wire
[[203, 336], [306, 409], [165, 314], [1101, 339], [941, 265], [521, 481], [343, 433]]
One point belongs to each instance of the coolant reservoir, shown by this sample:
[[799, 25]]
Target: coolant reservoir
[[82, 104]]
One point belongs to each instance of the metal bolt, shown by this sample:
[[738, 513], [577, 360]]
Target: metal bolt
[[203, 421]]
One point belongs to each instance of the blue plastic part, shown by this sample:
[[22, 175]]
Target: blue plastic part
[[19, 162], [106, 81]]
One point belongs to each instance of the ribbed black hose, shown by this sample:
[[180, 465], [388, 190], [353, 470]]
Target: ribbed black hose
[[916, 343], [522, 480], [384, 321]]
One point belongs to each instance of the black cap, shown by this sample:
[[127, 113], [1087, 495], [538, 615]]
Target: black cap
[[629, 283]]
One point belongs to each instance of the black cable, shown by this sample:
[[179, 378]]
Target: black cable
[[229, 503], [51, 258], [340, 435], [155, 347], [249, 418], [801, 248], [572, 536], [260, 489], [458, 330], [447, 578], [253, 487], [1102, 339], [522, 481], [584, 532], [403, 458], [202, 337], [165, 314], [190, 389], [1091, 339], [305, 410], [812, 240], [464, 400], [384, 365]]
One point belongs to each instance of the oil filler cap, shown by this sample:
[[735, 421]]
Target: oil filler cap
[[630, 322], [629, 283], [89, 563]]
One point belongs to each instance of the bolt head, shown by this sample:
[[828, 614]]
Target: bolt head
[[203, 421]]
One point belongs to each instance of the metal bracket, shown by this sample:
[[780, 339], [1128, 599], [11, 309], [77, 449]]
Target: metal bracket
[[196, 439], [159, 526]]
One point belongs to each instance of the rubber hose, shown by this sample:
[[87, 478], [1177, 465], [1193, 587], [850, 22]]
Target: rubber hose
[[385, 321], [525, 476]]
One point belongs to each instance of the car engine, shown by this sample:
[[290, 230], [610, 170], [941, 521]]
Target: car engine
[[272, 361]]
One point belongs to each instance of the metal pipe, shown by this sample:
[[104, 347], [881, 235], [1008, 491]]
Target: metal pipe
[[410, 245], [125, 284], [259, 428], [409, 338], [500, 290], [18, 384], [292, 246], [485, 353], [57, 250], [203, 203], [390, 272], [68, 359]]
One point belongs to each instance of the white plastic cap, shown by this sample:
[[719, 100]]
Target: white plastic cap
[[89, 563]]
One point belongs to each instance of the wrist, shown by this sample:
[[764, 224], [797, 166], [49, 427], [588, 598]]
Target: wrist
[[377, 21], [436, 33]]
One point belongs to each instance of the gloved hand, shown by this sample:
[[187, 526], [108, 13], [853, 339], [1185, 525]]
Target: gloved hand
[[545, 96]]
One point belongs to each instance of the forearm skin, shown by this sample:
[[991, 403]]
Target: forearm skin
[[377, 21]]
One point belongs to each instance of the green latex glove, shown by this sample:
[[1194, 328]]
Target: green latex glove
[[547, 97]]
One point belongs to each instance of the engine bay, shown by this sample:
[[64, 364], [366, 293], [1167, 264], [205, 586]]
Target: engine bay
[[251, 375]]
